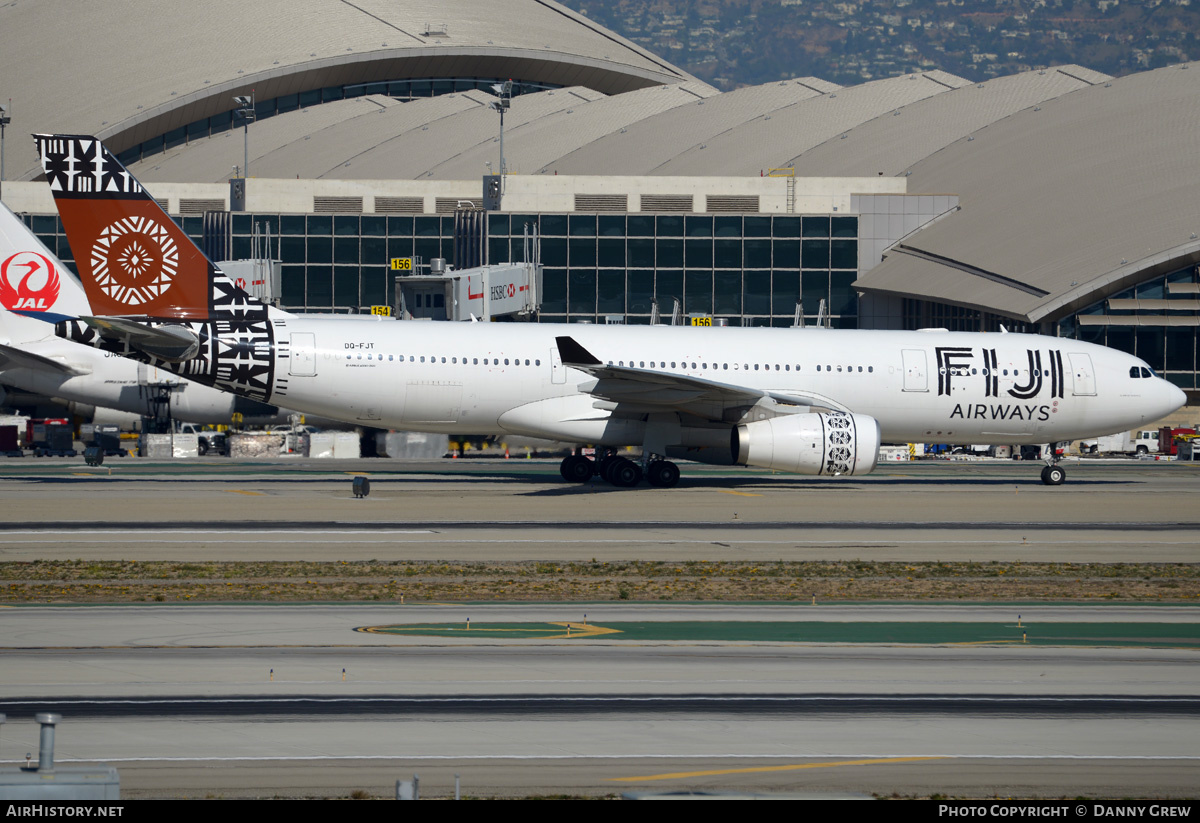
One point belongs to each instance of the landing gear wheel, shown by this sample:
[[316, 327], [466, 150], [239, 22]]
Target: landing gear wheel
[[605, 466], [1053, 475], [662, 473], [576, 469], [603, 462], [623, 473]]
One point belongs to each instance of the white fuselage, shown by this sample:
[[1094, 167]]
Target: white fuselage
[[927, 386]]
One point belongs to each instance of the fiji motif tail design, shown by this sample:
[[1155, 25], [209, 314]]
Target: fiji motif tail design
[[136, 262]]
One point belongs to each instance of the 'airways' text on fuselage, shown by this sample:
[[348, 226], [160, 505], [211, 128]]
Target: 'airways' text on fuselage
[[1001, 411]]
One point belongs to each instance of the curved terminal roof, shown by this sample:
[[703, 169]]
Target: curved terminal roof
[[567, 130], [772, 139], [369, 137], [132, 72], [890, 145], [451, 137], [1062, 203], [535, 145], [645, 145]]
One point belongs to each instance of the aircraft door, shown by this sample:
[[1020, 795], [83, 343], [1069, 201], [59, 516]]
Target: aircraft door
[[916, 370], [558, 373], [1082, 375], [303, 358]]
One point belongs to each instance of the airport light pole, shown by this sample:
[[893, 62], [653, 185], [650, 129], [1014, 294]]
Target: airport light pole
[[504, 93], [245, 110], [5, 119]]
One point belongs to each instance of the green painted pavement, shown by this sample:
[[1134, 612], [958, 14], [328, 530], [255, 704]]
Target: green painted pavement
[[1170, 635]]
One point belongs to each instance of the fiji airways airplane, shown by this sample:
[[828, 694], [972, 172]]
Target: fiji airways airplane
[[811, 401], [36, 286]]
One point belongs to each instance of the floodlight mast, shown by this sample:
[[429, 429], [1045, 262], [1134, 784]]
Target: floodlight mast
[[245, 110], [504, 93], [5, 119]]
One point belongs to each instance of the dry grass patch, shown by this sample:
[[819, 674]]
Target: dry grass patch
[[132, 582]]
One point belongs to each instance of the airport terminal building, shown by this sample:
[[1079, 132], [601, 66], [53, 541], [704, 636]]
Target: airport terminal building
[[1058, 200]]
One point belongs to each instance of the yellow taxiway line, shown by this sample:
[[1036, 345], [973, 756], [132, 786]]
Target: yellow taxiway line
[[794, 767]]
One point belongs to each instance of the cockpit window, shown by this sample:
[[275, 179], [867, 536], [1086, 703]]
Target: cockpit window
[[1147, 372], [1133, 371]]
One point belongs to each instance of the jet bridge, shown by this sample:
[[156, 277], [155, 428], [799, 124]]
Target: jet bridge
[[483, 293], [480, 290]]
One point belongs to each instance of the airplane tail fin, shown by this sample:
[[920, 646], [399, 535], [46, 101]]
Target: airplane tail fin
[[133, 259], [33, 281]]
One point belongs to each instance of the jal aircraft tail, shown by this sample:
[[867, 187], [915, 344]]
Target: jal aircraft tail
[[134, 260], [33, 281], [36, 291]]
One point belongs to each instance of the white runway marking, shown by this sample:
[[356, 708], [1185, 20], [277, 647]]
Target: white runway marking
[[156, 533]]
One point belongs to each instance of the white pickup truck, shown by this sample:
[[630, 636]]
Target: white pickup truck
[[207, 440], [1138, 442]]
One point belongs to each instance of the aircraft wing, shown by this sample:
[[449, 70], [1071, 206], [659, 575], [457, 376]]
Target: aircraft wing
[[171, 343], [14, 358], [652, 390]]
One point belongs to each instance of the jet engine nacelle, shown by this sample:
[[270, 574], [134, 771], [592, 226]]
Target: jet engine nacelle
[[818, 443]]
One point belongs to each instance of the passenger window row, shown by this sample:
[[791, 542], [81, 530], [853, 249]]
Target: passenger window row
[[641, 364], [962, 371], [453, 361], [674, 364]]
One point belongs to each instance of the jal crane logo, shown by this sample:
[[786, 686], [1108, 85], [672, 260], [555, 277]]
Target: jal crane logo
[[28, 282], [134, 260]]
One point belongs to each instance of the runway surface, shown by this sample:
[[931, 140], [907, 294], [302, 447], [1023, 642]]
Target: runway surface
[[229, 700], [291, 700], [521, 510]]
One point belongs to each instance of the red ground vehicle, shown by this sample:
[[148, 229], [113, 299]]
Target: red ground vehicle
[[52, 437], [1169, 439]]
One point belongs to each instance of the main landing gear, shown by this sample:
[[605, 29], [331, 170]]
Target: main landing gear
[[577, 469], [619, 471]]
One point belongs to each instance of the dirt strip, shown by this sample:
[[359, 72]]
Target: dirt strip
[[292, 582]]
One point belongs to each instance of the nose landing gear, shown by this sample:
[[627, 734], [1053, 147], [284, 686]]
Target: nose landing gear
[[1053, 474]]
